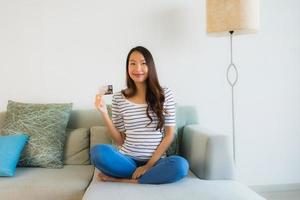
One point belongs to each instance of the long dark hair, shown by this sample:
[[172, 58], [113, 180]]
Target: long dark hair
[[155, 96]]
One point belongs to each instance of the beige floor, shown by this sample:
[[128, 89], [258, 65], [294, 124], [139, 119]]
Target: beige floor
[[282, 195]]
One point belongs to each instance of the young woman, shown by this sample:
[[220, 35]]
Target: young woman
[[142, 126]]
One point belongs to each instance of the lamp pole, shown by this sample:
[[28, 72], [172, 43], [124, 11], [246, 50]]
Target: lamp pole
[[232, 82]]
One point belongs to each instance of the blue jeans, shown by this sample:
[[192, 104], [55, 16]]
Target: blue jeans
[[111, 162]]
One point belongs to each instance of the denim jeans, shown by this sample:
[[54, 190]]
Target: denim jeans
[[111, 162]]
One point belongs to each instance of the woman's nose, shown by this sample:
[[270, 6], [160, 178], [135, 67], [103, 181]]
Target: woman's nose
[[138, 67]]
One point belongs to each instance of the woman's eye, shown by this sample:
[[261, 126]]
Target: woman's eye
[[132, 63], [143, 63]]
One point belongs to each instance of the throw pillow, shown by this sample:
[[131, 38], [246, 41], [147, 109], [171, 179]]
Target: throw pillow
[[10, 150], [46, 126], [77, 147]]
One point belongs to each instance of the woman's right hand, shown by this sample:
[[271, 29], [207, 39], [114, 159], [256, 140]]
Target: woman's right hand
[[100, 104]]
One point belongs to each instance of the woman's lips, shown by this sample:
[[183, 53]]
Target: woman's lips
[[138, 75]]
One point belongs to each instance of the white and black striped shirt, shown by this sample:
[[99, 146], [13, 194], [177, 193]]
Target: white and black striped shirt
[[142, 138]]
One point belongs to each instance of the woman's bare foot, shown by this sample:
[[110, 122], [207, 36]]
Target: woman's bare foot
[[105, 178]]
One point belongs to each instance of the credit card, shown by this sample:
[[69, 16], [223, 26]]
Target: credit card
[[106, 90]]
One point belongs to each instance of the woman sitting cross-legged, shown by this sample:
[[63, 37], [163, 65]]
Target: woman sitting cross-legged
[[142, 125]]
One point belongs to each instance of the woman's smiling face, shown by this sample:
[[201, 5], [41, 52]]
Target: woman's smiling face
[[137, 67]]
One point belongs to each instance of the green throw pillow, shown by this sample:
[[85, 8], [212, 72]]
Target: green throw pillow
[[46, 126]]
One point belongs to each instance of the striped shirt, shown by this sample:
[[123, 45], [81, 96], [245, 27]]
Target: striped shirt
[[142, 138]]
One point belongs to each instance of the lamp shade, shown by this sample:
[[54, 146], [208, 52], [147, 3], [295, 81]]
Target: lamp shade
[[240, 16]]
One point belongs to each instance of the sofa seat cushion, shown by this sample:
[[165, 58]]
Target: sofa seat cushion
[[190, 188], [67, 183]]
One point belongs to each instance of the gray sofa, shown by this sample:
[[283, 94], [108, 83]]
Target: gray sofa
[[211, 175]]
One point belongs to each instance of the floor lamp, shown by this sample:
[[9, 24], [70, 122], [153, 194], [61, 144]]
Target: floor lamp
[[228, 18]]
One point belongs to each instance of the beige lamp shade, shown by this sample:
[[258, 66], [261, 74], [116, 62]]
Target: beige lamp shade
[[240, 16]]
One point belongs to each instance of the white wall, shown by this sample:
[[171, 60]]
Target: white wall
[[61, 50]]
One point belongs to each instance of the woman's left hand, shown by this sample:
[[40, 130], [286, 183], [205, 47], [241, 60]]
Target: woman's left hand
[[140, 171]]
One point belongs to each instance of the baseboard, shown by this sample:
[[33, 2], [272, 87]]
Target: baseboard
[[275, 188]]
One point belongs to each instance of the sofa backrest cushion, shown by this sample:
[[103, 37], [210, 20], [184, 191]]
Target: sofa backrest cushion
[[185, 115], [85, 119], [99, 135], [77, 147]]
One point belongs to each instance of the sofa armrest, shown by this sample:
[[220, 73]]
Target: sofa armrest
[[209, 154]]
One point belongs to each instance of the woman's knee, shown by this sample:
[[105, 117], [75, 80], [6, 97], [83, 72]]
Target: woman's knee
[[168, 170], [180, 165], [98, 152]]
